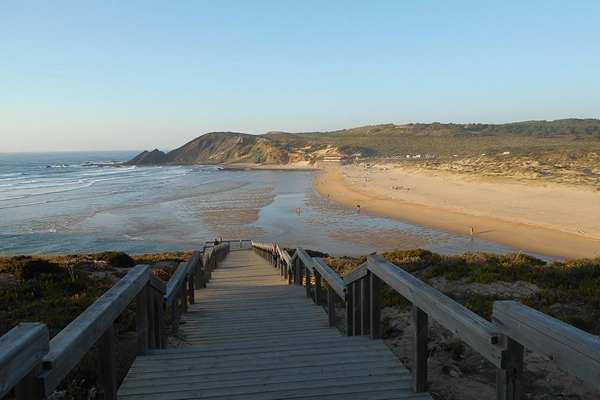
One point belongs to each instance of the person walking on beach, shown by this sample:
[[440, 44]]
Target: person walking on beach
[[358, 209], [471, 231]]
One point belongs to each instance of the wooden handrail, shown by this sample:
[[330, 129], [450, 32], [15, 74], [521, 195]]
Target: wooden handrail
[[470, 327], [305, 258], [572, 349], [501, 341], [188, 274], [178, 279], [48, 362], [157, 284], [356, 274], [75, 340], [298, 268], [230, 241], [21, 351], [332, 279]]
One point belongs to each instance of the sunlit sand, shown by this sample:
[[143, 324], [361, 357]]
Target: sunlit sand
[[546, 218]]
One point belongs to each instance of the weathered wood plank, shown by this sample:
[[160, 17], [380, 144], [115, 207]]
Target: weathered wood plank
[[290, 382], [21, 350], [107, 364], [420, 353], [305, 258], [277, 344], [250, 376], [470, 327], [330, 277], [176, 281], [158, 284], [350, 388], [71, 344], [142, 325], [509, 380], [572, 349], [255, 337], [357, 273], [375, 322]]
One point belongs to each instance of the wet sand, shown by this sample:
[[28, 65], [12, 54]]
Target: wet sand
[[545, 218]]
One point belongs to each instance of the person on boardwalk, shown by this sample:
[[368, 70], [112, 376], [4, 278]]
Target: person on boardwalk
[[274, 253]]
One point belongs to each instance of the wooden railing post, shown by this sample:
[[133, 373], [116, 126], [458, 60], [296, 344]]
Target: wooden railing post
[[419, 370], [307, 280], [318, 289], [365, 306], [292, 273], [205, 274], [141, 320], [375, 312], [27, 388], [349, 310], [183, 295], [509, 380], [21, 352], [152, 321], [159, 312], [200, 275], [331, 305], [299, 272], [175, 315], [191, 285], [357, 307], [107, 364], [208, 268]]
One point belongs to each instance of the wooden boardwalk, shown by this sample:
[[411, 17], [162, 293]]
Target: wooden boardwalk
[[252, 336]]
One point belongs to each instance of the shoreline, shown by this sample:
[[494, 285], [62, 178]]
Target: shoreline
[[305, 166], [531, 216]]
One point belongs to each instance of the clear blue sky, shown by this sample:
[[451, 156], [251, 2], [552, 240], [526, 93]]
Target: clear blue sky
[[135, 75]]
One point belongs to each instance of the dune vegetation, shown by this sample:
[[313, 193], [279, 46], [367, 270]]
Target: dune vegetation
[[56, 289]]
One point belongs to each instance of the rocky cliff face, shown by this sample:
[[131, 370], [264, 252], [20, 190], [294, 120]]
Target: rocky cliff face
[[219, 148]]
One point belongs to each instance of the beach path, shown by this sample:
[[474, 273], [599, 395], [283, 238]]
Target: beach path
[[252, 336]]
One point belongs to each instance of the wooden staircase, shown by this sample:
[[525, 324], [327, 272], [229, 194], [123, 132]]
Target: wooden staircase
[[251, 335]]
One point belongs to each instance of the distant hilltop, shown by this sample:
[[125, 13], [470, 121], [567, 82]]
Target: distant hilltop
[[218, 148], [382, 141]]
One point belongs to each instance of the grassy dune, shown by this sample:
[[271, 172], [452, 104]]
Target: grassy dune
[[55, 290]]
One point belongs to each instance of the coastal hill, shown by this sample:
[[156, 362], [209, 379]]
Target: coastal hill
[[576, 137], [218, 148]]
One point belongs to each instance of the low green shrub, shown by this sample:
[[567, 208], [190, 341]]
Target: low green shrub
[[28, 267], [115, 258], [315, 253]]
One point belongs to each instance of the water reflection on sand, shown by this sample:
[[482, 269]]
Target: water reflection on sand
[[143, 210]]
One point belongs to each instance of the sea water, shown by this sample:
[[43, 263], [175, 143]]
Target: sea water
[[71, 203]]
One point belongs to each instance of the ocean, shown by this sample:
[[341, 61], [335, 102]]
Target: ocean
[[87, 202]]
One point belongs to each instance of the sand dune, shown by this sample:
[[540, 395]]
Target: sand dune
[[546, 218]]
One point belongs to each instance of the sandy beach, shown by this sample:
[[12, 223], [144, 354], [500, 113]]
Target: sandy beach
[[541, 217]]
